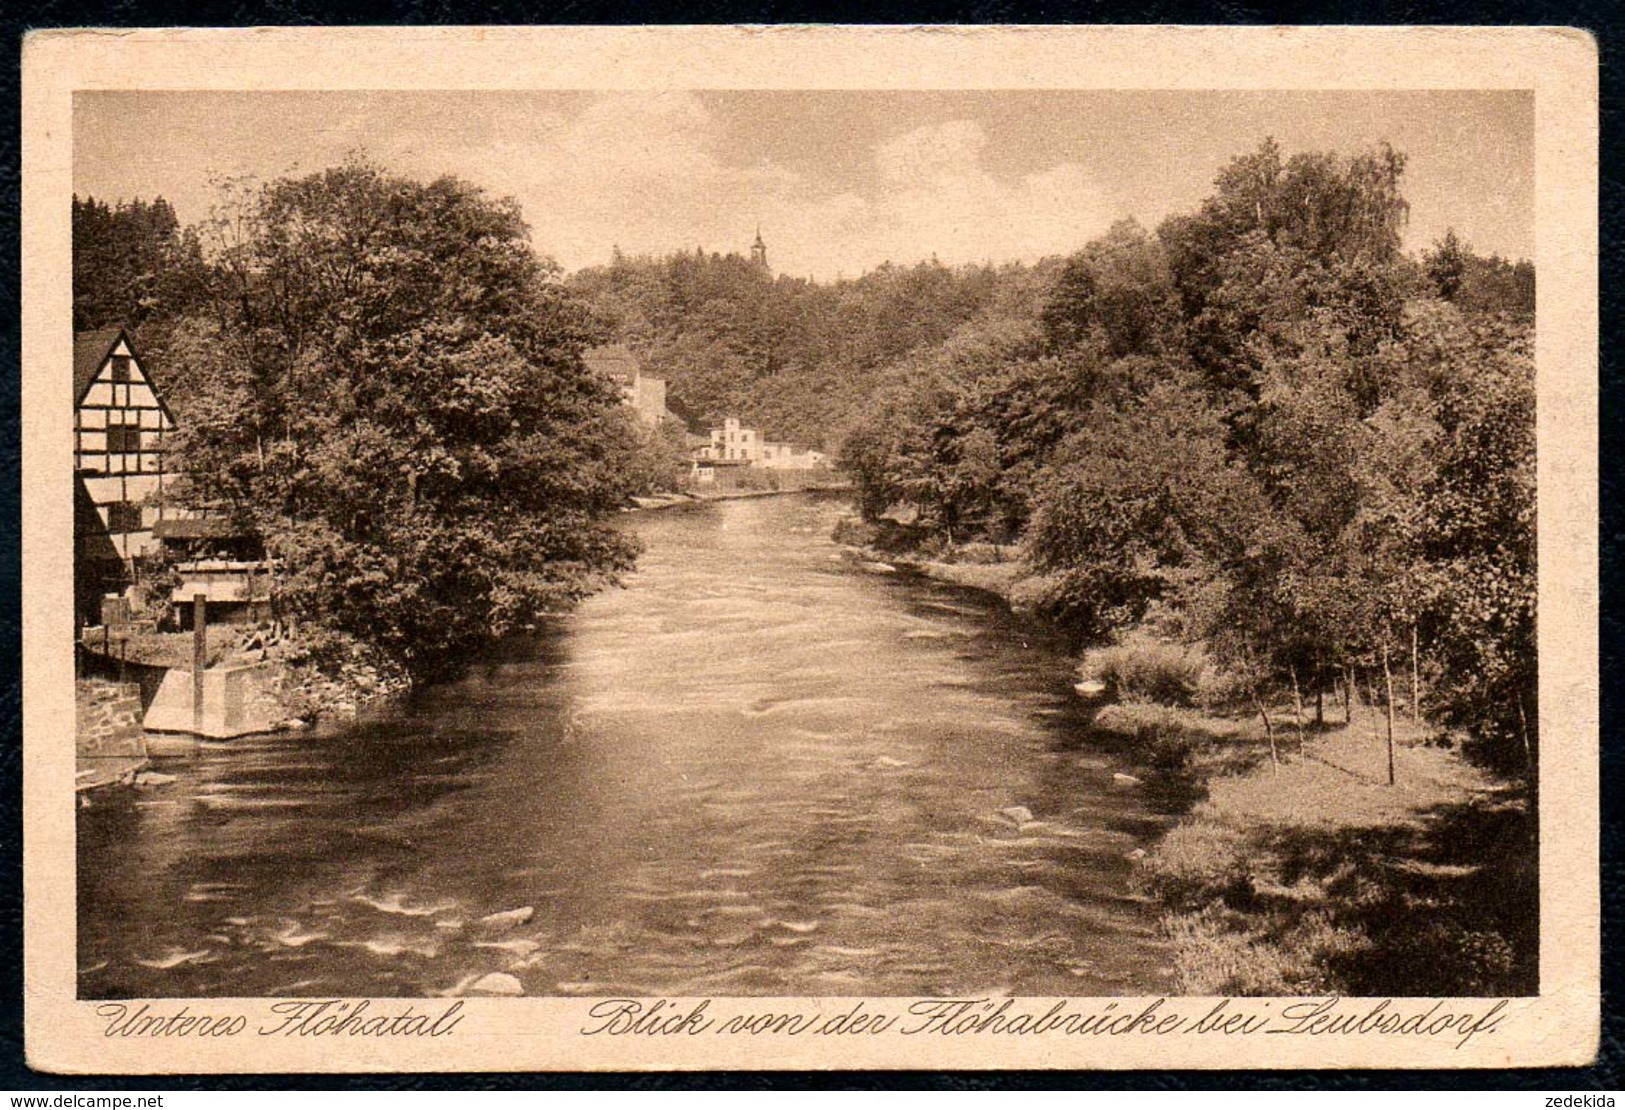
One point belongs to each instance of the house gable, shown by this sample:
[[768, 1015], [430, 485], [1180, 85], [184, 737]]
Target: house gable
[[120, 421]]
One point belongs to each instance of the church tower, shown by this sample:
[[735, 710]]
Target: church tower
[[758, 250]]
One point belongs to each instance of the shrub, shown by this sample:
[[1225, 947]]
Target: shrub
[[1214, 956], [1148, 670], [1027, 595], [1209, 959], [854, 532], [1160, 735], [1197, 864]]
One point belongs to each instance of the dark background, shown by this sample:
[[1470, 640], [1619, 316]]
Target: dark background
[[1601, 17]]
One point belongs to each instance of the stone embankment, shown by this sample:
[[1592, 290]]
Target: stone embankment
[[256, 680], [308, 694], [108, 732]]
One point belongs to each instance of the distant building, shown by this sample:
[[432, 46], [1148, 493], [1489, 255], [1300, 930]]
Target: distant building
[[733, 443], [758, 250], [791, 456], [119, 422], [646, 395]]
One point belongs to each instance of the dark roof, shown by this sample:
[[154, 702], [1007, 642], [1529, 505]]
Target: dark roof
[[90, 350], [614, 360], [195, 528]]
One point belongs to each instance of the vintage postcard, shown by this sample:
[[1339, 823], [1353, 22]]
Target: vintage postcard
[[810, 547]]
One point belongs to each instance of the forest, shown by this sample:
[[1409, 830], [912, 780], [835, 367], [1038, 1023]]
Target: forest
[[381, 381], [1261, 426]]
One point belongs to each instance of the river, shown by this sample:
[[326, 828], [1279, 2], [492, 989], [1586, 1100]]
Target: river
[[757, 769]]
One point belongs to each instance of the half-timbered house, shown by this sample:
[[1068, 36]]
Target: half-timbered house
[[120, 420]]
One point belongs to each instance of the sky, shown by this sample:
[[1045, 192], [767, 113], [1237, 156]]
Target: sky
[[838, 182]]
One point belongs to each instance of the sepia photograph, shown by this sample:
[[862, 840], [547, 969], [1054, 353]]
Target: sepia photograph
[[935, 546]]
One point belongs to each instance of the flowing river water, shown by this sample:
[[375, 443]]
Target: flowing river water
[[758, 769]]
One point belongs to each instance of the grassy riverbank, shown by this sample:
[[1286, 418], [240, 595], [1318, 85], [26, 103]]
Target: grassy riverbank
[[1314, 876], [1309, 874]]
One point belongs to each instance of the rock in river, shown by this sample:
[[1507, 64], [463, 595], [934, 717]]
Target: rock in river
[[508, 918], [498, 982], [1019, 814], [1120, 779]]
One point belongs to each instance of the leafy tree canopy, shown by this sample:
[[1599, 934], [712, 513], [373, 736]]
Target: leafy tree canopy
[[389, 390]]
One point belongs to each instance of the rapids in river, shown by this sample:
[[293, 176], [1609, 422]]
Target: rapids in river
[[760, 768]]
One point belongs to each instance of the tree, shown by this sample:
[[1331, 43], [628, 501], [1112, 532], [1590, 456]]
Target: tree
[[1446, 265], [1266, 425], [659, 460], [401, 412], [1314, 239], [134, 266], [1142, 505], [1116, 294], [1476, 531], [1479, 285]]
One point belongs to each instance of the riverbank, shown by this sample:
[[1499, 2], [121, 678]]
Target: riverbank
[[657, 501], [294, 684], [1309, 874], [1314, 876]]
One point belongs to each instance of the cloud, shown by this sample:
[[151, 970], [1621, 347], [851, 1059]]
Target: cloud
[[639, 171], [937, 194], [647, 173], [651, 173]]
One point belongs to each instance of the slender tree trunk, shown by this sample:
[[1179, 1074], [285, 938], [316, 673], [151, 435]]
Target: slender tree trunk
[[1416, 679], [1269, 733], [1388, 687], [1320, 696], [1523, 728], [1348, 695], [1297, 707]]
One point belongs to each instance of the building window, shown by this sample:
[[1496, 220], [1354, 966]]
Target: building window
[[123, 439], [121, 368], [123, 516]]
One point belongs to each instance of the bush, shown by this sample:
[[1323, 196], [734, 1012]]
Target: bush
[[1214, 956], [853, 531], [1197, 864], [1160, 735], [1147, 670]]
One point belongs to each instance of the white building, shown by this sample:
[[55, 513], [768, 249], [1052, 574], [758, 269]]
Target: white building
[[735, 443], [732, 442], [791, 456], [119, 425]]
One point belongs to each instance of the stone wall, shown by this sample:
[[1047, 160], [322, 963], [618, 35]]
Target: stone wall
[[109, 719]]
